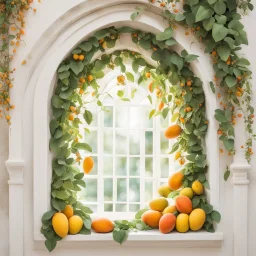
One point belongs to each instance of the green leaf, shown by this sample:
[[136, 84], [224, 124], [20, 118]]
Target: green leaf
[[179, 17], [59, 205], [229, 144], [86, 46], [230, 42], [224, 51], [145, 44], [68, 185], [208, 24], [100, 74], [176, 60], [207, 208], [152, 112], [219, 32], [220, 7], [175, 147], [100, 34], [222, 19], [242, 62], [120, 235], [53, 126], [150, 99], [134, 15], [63, 68], [212, 87], [211, 1], [57, 101], [206, 184], [195, 202], [48, 215], [203, 13], [167, 34], [175, 117], [192, 2], [130, 76], [191, 57], [226, 174], [85, 231], [120, 94], [64, 75], [77, 66], [216, 216], [230, 81], [221, 118], [140, 212], [79, 176], [88, 116], [50, 244], [165, 112], [170, 42], [83, 146], [88, 223]]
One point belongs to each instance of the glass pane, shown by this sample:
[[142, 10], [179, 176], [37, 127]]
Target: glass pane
[[108, 142], [108, 165], [148, 122], [149, 166], [108, 117], [149, 143], [121, 142], [121, 190], [94, 171], [122, 116], [148, 190], [121, 166], [134, 191], [164, 144], [90, 192], [108, 207], [121, 208], [165, 122], [108, 189], [91, 139], [164, 167], [134, 207], [134, 139], [134, 166], [136, 117]]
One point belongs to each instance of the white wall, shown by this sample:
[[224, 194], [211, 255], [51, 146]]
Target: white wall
[[47, 12]]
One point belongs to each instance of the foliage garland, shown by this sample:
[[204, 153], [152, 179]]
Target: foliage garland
[[77, 76]]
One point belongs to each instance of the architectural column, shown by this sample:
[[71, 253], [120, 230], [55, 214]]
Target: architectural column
[[16, 206]]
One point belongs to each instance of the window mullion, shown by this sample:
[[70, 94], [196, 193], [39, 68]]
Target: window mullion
[[157, 153], [114, 160], [142, 160]]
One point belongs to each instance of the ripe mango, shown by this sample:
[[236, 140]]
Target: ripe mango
[[158, 204], [187, 192], [173, 131], [75, 224], [197, 187], [183, 204], [197, 219], [60, 224], [68, 211], [102, 225], [164, 190], [170, 209], [175, 180], [182, 223], [151, 218], [88, 164], [167, 223]]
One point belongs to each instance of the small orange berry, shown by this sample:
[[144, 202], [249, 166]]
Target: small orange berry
[[148, 75], [71, 117], [239, 115], [75, 57], [238, 94], [221, 150], [81, 57], [82, 80], [189, 83], [90, 78], [160, 106]]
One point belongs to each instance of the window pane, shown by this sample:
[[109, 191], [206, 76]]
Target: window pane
[[108, 117], [134, 207], [164, 144], [165, 122], [108, 207], [90, 192], [108, 142], [148, 122], [108, 189], [108, 165], [94, 171], [91, 139], [134, 166], [148, 190], [134, 192], [149, 143], [122, 116], [121, 190], [134, 142], [149, 166], [136, 117], [121, 141], [121, 166], [121, 208], [164, 167]]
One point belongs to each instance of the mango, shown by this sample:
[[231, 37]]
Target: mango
[[183, 204], [60, 224], [197, 219], [167, 223], [151, 218], [164, 190], [182, 223], [175, 180], [158, 204], [88, 164], [173, 131], [197, 187], [102, 225], [68, 211], [75, 224], [170, 209], [187, 192]]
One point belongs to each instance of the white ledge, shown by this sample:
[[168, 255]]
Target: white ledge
[[152, 238]]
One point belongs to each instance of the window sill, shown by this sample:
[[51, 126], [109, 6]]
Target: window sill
[[152, 238]]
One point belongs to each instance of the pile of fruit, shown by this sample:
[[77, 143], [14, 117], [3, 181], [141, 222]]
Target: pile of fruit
[[181, 214]]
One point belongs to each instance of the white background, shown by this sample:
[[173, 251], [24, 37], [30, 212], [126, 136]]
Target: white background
[[47, 12]]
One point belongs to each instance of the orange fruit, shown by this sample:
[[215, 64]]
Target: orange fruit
[[151, 218], [68, 211], [167, 223], [173, 131], [90, 78], [102, 225], [160, 106], [75, 57], [175, 180], [88, 164], [150, 87], [81, 57]]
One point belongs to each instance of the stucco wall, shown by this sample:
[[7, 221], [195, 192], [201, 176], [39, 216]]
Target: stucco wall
[[47, 12]]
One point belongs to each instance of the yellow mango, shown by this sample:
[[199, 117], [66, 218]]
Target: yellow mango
[[164, 190], [60, 224], [75, 224], [158, 204], [197, 187], [182, 223], [170, 209], [187, 192], [197, 219]]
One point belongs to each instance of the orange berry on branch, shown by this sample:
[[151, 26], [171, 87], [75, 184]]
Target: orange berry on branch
[[71, 117], [75, 56], [238, 94], [160, 106], [90, 78], [189, 83], [81, 57], [239, 115], [148, 75]]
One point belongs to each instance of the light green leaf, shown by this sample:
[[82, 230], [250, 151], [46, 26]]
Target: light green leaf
[[207, 208], [242, 62], [230, 81], [221, 118], [152, 112], [220, 7], [191, 57], [170, 42], [86, 46], [99, 74], [88, 116], [140, 212], [48, 215], [120, 235], [101, 33], [219, 32], [167, 34], [229, 144], [83, 146], [212, 87], [222, 19], [130, 76], [208, 24], [77, 66], [134, 15], [224, 51], [203, 13], [211, 1], [230, 42], [179, 17], [216, 216]]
